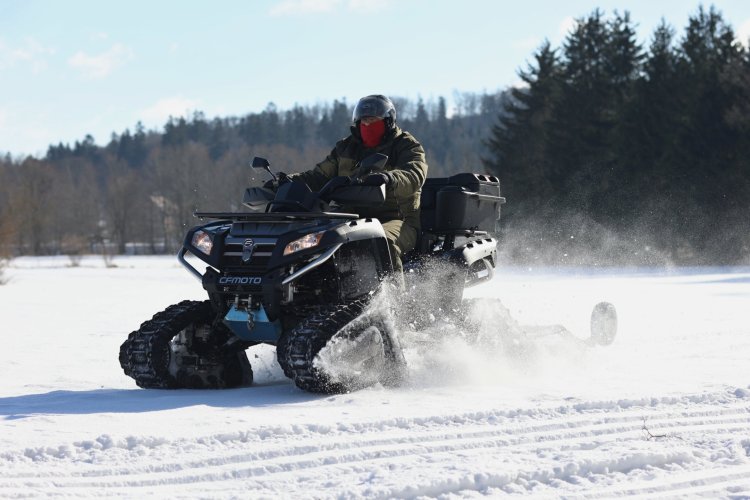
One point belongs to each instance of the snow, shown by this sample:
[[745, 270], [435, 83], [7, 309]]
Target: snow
[[663, 411]]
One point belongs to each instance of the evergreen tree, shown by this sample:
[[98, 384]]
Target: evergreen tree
[[706, 145], [175, 132], [219, 142], [334, 123], [645, 142], [440, 136], [612, 198], [582, 119], [519, 142]]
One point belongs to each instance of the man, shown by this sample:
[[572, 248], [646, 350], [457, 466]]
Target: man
[[374, 130]]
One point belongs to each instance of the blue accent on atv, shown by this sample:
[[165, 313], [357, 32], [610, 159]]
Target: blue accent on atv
[[253, 326]]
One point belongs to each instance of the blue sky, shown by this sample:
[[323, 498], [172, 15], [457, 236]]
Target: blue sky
[[74, 67]]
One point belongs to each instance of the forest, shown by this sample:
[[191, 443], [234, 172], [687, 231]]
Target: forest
[[610, 153]]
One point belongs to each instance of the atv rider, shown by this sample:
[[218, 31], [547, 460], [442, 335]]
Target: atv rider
[[374, 130]]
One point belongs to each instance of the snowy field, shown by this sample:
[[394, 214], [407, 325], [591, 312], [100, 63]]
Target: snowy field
[[664, 411]]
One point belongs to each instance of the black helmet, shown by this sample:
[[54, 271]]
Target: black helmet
[[375, 105]]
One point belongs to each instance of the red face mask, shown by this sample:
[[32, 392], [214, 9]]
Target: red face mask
[[372, 134]]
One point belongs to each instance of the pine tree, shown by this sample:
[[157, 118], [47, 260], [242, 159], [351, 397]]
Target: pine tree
[[707, 146], [583, 119], [518, 143], [612, 196], [645, 140]]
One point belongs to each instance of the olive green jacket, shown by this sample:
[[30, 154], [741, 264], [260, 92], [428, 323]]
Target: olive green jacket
[[406, 166]]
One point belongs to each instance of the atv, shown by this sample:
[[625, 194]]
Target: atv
[[296, 271]]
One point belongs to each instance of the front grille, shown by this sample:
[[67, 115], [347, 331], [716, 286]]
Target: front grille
[[261, 255]]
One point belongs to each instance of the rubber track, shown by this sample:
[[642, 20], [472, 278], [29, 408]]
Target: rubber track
[[282, 343], [281, 354], [304, 342], [308, 338], [145, 355]]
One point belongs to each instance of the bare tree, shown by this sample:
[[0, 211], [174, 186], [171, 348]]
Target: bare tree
[[177, 176], [123, 190], [4, 233], [75, 196], [28, 207]]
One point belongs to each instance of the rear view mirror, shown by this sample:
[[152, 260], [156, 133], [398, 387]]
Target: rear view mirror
[[259, 162]]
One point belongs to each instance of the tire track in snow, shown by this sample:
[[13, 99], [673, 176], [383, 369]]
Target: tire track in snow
[[593, 424], [578, 414], [710, 484], [357, 448]]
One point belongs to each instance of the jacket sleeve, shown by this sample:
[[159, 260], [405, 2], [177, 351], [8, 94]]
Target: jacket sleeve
[[322, 173], [410, 170]]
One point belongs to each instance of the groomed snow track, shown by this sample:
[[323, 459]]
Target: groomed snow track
[[662, 412], [672, 448]]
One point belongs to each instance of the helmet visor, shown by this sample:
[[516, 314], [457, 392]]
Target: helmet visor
[[371, 106]]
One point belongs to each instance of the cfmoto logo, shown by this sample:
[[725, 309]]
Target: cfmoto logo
[[240, 280], [247, 250]]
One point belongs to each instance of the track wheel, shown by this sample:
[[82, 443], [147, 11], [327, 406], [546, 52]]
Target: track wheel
[[179, 348]]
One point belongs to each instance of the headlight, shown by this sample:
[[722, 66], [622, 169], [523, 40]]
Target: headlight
[[307, 241], [203, 242]]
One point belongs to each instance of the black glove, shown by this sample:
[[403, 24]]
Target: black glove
[[379, 179], [274, 185]]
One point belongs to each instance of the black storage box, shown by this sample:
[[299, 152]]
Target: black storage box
[[462, 201]]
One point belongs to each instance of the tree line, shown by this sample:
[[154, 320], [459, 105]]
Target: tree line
[[640, 154], [609, 153], [139, 191]]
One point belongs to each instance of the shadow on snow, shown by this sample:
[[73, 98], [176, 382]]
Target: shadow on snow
[[141, 400]]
